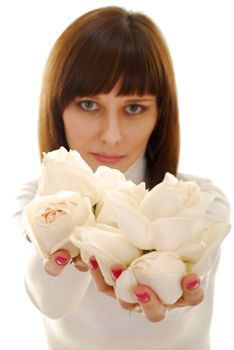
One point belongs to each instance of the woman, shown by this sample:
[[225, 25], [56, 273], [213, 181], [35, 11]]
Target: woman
[[109, 92]]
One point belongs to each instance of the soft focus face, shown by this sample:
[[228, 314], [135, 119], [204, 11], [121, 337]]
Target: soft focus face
[[110, 130]]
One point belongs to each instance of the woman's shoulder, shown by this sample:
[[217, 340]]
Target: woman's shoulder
[[198, 179]]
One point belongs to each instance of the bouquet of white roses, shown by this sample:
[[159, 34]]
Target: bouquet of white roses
[[158, 235]]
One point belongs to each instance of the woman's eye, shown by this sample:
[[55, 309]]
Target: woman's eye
[[88, 105], [134, 109]]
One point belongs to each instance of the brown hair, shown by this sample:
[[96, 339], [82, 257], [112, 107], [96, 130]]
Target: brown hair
[[91, 56]]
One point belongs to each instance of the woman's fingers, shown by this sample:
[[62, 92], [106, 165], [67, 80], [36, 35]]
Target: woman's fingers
[[79, 264], [128, 306], [152, 307], [154, 310], [56, 262], [148, 302], [116, 271], [193, 292], [98, 278]]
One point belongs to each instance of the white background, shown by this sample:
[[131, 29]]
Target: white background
[[200, 37]]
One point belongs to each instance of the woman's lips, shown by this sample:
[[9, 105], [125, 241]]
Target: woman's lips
[[107, 159]]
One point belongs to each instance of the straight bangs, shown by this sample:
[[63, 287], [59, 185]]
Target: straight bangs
[[110, 54]]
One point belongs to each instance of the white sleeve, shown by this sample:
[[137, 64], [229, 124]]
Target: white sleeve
[[53, 296]]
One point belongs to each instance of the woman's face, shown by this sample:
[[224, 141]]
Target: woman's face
[[110, 130]]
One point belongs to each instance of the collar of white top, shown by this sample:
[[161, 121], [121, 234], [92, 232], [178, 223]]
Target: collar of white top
[[136, 171]]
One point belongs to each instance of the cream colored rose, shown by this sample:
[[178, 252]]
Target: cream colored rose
[[170, 216], [107, 244], [67, 171], [109, 179], [49, 220], [104, 210], [173, 197], [161, 271], [201, 255]]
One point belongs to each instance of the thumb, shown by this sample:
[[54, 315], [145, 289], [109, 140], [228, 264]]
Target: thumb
[[55, 264]]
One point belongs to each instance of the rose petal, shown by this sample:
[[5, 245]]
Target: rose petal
[[214, 237], [160, 203], [124, 286], [67, 171], [104, 210], [171, 233], [67, 245], [173, 197], [162, 272], [49, 234], [133, 225], [107, 244], [109, 179]]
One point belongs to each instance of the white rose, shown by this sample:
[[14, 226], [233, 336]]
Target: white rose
[[202, 254], [67, 171], [49, 220], [173, 197], [104, 210], [161, 271], [107, 244], [165, 223], [109, 179]]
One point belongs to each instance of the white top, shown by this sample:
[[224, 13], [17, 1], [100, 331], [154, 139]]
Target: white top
[[79, 317]]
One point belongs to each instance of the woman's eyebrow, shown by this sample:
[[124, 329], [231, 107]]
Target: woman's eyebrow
[[127, 99], [139, 99]]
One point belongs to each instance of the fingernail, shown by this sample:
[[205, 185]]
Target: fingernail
[[193, 285], [61, 260], [143, 297], [115, 273], [93, 263]]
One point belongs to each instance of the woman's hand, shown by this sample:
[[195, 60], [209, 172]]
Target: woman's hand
[[55, 264], [148, 301]]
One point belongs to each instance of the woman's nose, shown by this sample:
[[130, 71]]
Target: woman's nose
[[110, 131]]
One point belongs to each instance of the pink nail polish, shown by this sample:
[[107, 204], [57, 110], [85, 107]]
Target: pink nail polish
[[115, 273], [193, 285], [143, 297], [93, 263], [61, 260]]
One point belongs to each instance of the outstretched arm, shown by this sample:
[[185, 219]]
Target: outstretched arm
[[57, 296]]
